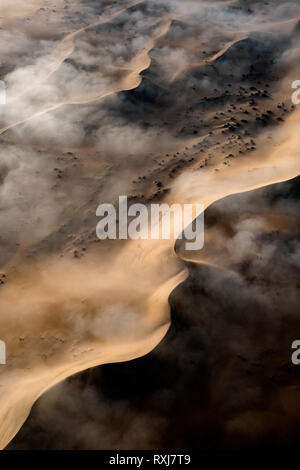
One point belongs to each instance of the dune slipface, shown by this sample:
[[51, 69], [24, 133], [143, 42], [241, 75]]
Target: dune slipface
[[163, 101]]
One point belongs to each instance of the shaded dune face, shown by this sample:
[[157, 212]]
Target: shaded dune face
[[118, 99], [222, 377]]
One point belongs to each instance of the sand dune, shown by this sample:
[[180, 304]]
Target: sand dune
[[63, 311], [66, 45], [19, 9], [131, 79]]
